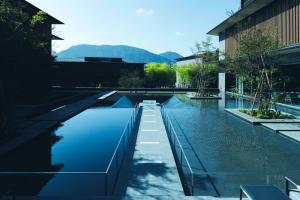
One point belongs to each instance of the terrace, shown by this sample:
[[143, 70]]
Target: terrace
[[107, 128], [121, 144]]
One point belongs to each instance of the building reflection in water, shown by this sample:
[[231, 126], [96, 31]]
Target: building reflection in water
[[32, 157]]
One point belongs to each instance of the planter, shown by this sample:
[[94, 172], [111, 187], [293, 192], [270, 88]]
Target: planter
[[255, 120], [193, 96]]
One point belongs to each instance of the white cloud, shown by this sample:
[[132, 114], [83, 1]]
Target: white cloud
[[145, 12], [178, 33], [151, 12]]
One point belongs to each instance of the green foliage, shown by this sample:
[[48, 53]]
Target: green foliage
[[256, 61], [159, 75], [205, 51], [271, 114], [205, 71], [131, 80], [38, 19], [185, 74], [194, 75], [18, 26], [205, 75], [25, 62]]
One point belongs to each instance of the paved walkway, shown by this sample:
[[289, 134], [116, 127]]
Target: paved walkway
[[290, 130], [152, 173]]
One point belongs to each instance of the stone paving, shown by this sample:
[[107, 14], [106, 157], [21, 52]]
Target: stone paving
[[152, 173]]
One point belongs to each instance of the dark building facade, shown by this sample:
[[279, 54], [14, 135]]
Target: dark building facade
[[104, 72], [25, 61], [281, 17]]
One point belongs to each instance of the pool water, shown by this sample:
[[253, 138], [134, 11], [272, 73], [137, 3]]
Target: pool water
[[76, 152], [225, 151]]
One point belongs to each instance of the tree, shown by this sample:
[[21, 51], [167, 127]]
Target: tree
[[204, 70], [160, 75], [25, 58], [256, 60], [185, 75], [205, 74], [131, 80]]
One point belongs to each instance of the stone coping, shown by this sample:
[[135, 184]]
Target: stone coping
[[255, 120], [107, 95], [294, 135], [288, 106], [189, 95], [282, 126]]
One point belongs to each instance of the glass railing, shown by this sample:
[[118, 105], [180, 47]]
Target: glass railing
[[72, 183], [185, 170]]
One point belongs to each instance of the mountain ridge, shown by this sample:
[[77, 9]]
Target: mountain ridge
[[128, 53]]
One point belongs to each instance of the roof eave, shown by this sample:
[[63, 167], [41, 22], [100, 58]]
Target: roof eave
[[54, 37], [53, 20], [246, 11]]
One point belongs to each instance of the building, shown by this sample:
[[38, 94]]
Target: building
[[278, 16], [25, 69], [188, 60], [93, 72]]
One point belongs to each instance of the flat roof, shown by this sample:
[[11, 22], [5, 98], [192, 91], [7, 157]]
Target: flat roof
[[52, 19], [252, 7], [186, 58]]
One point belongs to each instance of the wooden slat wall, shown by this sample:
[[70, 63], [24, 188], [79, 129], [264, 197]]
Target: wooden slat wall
[[281, 16]]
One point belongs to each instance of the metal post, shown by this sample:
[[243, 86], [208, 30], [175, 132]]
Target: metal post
[[174, 142], [128, 129], [117, 158], [123, 145], [106, 184], [181, 157], [241, 194], [192, 184], [132, 123], [287, 190]]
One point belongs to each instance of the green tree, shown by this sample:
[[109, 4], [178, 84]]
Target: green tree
[[131, 80], [206, 68], [184, 74], [25, 48], [256, 61], [159, 75]]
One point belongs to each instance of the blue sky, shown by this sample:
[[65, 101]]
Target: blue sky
[[155, 25]]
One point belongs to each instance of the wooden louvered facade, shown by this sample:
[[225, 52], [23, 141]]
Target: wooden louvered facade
[[281, 17]]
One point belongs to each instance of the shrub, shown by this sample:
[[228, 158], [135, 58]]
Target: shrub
[[131, 80], [271, 114], [160, 75]]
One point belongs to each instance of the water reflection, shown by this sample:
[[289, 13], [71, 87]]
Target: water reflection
[[232, 151], [31, 157], [84, 143]]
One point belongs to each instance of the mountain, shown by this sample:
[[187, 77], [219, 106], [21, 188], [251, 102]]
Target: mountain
[[171, 55], [128, 53]]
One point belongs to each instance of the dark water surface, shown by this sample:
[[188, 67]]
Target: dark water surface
[[84, 143], [226, 151]]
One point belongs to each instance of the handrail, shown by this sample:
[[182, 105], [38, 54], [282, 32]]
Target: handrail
[[288, 181], [116, 149], [169, 125], [129, 128]]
